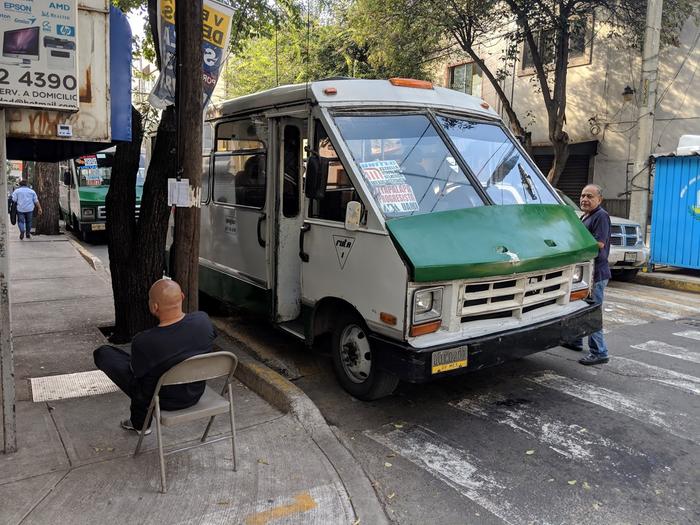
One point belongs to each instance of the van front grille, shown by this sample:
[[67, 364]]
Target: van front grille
[[102, 212], [502, 298]]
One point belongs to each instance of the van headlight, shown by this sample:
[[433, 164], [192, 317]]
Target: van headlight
[[88, 213], [427, 305]]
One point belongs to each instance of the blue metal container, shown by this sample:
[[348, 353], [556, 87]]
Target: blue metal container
[[675, 219]]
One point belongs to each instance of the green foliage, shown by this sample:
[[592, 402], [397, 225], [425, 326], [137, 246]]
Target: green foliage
[[341, 39]]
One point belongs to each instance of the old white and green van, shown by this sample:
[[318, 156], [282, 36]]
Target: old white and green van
[[84, 183], [402, 219]]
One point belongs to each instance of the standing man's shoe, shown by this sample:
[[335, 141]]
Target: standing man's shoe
[[593, 360], [21, 235], [29, 235], [572, 347]]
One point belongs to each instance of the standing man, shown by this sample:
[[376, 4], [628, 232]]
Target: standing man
[[597, 220], [26, 199], [155, 351]]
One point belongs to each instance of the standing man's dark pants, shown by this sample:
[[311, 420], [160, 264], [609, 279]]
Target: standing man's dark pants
[[115, 363]]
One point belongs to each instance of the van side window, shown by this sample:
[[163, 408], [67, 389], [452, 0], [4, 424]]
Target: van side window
[[205, 178], [339, 188], [239, 175], [292, 163], [240, 179]]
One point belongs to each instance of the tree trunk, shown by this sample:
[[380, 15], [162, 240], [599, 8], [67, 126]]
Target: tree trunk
[[188, 96], [136, 249], [46, 187]]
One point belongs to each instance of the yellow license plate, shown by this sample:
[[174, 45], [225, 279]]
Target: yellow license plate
[[98, 227], [451, 359]]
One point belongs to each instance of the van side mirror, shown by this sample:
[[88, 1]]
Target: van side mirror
[[316, 177], [66, 178], [353, 215]]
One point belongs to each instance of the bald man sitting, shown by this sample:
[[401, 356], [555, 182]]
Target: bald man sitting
[[154, 351]]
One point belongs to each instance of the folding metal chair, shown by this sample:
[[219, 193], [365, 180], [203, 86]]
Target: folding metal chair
[[198, 368]]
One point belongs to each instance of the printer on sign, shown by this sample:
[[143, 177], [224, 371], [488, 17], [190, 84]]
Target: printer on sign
[[61, 53]]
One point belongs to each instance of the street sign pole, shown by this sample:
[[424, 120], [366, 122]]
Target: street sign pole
[[7, 372]]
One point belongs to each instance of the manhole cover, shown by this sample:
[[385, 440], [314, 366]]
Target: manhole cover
[[690, 322]]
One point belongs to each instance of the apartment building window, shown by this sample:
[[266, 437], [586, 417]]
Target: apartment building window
[[580, 42], [465, 78]]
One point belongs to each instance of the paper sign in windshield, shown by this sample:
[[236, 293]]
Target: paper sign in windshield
[[89, 162], [93, 180], [396, 198], [381, 172]]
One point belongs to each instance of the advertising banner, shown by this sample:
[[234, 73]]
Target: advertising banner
[[39, 63], [216, 29]]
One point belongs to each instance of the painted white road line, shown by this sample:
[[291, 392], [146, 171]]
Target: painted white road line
[[689, 334], [659, 347], [613, 315], [453, 466], [680, 425], [637, 369], [570, 440], [629, 297], [646, 312]]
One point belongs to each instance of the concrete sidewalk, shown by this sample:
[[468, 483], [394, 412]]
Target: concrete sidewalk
[[74, 463]]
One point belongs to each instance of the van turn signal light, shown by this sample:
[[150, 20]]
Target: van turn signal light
[[578, 294], [427, 328], [411, 82], [388, 318]]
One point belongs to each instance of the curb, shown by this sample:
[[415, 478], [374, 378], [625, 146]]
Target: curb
[[660, 281], [93, 261], [289, 398]]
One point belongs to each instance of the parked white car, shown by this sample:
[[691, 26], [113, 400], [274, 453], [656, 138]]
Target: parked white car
[[627, 251]]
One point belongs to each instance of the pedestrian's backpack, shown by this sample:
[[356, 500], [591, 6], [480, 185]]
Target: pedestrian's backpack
[[13, 213]]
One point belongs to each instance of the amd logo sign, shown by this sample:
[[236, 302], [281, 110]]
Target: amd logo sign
[[59, 6]]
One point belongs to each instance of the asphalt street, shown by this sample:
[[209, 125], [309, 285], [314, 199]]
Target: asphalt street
[[538, 440]]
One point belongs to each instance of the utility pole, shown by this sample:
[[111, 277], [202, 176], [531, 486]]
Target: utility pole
[[639, 201], [188, 104], [7, 370]]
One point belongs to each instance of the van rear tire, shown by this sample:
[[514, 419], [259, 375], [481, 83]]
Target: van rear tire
[[353, 363]]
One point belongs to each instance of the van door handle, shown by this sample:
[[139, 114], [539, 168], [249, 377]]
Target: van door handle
[[302, 254], [261, 241]]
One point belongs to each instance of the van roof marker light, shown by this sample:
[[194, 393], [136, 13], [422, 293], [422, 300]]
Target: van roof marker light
[[330, 91], [485, 105], [411, 82]]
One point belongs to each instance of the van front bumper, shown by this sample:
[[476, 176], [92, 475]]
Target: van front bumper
[[414, 365]]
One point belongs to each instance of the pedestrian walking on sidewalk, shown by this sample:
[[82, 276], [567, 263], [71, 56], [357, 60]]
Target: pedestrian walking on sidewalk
[[26, 201], [177, 337], [597, 220]]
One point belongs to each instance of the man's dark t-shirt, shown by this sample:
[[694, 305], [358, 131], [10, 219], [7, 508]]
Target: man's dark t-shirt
[[598, 223], [155, 351]]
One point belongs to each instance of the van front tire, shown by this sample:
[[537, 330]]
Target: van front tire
[[353, 361]]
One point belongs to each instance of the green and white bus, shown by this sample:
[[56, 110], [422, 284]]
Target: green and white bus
[[400, 218], [84, 183]]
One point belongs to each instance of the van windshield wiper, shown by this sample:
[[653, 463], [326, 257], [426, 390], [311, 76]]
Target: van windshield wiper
[[527, 182]]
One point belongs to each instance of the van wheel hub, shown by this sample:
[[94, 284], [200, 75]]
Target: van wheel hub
[[355, 354]]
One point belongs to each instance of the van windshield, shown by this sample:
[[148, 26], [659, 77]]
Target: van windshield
[[406, 164], [95, 170], [496, 161]]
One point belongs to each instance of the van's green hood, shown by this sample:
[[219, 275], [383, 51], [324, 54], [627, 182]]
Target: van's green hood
[[491, 240], [95, 196]]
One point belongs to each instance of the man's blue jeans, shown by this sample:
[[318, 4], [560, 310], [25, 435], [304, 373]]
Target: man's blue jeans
[[24, 221], [596, 342]]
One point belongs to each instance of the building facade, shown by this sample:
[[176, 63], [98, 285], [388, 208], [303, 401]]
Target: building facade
[[603, 91]]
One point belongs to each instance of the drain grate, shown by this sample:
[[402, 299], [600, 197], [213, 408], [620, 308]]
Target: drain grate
[[65, 386]]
